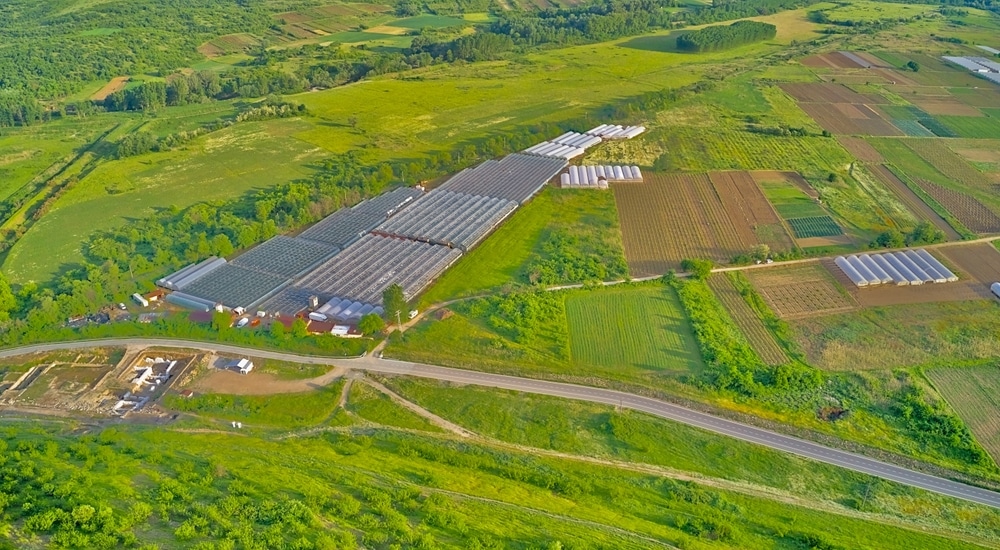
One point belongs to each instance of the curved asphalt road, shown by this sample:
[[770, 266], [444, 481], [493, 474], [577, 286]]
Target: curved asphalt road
[[655, 407]]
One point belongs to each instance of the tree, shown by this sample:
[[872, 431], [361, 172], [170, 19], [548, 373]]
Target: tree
[[221, 321], [8, 302], [371, 324], [924, 233], [760, 253], [890, 239], [299, 328], [394, 302], [277, 330], [913, 66], [699, 269]]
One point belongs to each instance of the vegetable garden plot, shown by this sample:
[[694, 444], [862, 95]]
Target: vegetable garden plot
[[818, 226], [972, 213], [974, 393], [912, 128], [801, 291]]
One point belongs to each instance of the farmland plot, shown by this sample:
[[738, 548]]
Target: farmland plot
[[760, 338], [972, 213], [632, 327], [743, 199], [669, 218], [861, 149], [948, 163], [974, 393], [818, 226], [981, 261], [800, 291]]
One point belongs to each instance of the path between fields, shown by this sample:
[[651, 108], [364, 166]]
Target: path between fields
[[420, 411]]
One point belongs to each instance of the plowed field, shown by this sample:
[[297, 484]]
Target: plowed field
[[669, 218], [743, 198], [746, 319], [803, 290], [861, 149], [980, 261]]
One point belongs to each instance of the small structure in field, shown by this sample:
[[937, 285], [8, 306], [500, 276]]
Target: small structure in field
[[244, 365]]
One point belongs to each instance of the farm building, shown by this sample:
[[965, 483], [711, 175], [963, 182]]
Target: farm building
[[244, 365], [516, 177], [906, 268]]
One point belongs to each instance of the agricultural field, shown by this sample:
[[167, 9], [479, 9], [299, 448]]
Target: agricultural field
[[802, 290], [643, 328], [669, 218], [938, 334], [760, 338], [742, 196], [980, 261], [840, 110], [816, 226], [974, 393], [799, 206], [920, 209]]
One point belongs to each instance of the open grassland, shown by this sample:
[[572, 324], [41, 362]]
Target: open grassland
[[374, 406], [293, 410], [217, 166], [604, 433], [503, 259], [33, 153], [894, 336], [350, 489], [974, 393], [643, 328]]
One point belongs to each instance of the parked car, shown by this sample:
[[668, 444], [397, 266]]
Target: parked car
[[122, 307]]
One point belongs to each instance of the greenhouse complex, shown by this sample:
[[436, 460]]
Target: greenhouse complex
[[339, 267]]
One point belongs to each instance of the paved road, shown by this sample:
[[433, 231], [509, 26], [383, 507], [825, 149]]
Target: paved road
[[655, 407]]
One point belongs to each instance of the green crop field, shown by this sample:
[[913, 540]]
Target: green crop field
[[987, 127], [643, 328], [974, 393], [789, 201], [894, 336], [819, 226], [418, 22]]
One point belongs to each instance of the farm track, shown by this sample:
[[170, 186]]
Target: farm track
[[662, 409], [761, 339], [913, 202]]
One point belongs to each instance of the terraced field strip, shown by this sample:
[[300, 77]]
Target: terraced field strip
[[974, 393], [638, 327], [669, 218], [972, 213], [913, 202], [948, 163], [750, 210], [760, 338], [799, 291]]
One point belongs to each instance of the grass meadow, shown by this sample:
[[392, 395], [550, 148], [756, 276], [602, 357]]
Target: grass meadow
[[501, 259], [374, 406], [607, 434], [896, 336], [220, 165], [639, 328]]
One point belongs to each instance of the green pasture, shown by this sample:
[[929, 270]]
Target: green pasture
[[290, 410], [642, 328], [220, 165], [189, 117], [604, 432], [502, 259], [425, 20], [26, 152], [876, 11], [374, 406], [942, 333]]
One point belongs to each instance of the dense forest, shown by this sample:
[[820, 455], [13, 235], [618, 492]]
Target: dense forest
[[721, 37]]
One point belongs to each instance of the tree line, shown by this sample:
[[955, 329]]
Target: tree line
[[722, 37]]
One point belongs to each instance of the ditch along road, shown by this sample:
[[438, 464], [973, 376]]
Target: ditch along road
[[662, 409]]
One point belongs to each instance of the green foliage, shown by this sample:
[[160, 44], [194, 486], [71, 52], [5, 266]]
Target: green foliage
[[8, 302], [721, 37], [567, 257], [935, 424], [300, 329], [521, 316], [371, 324], [699, 269], [394, 302], [221, 321], [924, 233], [913, 65], [892, 238]]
